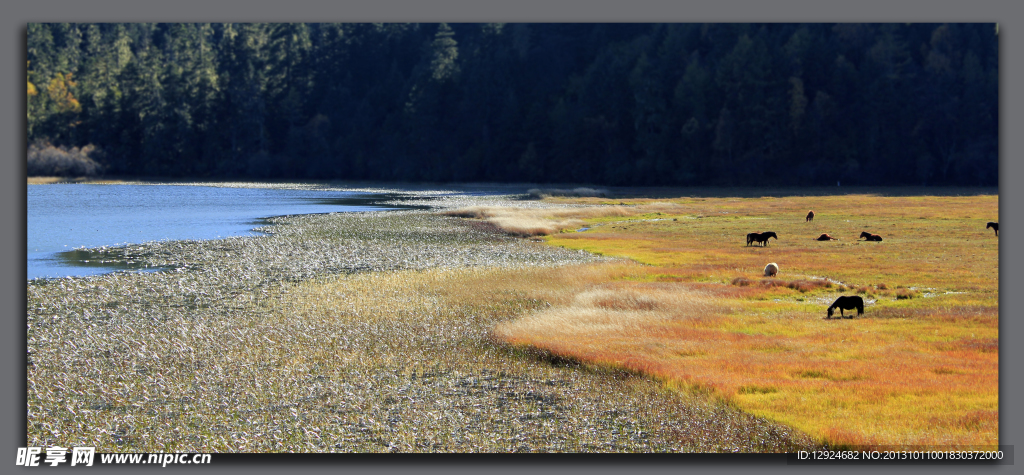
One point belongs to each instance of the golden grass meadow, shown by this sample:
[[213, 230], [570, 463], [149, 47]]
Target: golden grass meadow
[[920, 367]]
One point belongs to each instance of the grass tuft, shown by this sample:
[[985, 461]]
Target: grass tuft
[[753, 389], [904, 294]]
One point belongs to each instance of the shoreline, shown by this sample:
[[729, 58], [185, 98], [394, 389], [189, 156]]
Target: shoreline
[[605, 192]]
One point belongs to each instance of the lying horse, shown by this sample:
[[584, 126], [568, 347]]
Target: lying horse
[[993, 226], [825, 237], [761, 238], [848, 303], [810, 216], [870, 237]]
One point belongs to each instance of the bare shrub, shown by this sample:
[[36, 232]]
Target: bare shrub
[[45, 159]]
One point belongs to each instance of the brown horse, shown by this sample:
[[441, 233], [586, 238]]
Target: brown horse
[[848, 303], [825, 237], [993, 226], [761, 238], [870, 237], [810, 216]]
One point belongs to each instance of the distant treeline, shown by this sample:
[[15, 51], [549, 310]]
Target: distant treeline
[[611, 104]]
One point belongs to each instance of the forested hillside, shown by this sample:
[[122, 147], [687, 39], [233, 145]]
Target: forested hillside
[[611, 104]]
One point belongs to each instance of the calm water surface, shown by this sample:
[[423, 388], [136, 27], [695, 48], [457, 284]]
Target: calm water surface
[[62, 218]]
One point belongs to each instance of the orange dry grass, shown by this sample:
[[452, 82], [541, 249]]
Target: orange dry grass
[[919, 368]]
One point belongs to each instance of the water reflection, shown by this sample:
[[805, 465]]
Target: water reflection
[[108, 261]]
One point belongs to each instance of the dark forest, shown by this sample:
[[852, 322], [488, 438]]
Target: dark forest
[[610, 104]]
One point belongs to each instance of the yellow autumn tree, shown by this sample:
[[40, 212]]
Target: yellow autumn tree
[[59, 91], [31, 87], [32, 92]]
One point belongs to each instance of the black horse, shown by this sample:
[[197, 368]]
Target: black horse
[[993, 226], [810, 216], [761, 238], [870, 237], [848, 303]]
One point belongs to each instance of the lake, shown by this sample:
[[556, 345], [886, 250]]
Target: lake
[[61, 218]]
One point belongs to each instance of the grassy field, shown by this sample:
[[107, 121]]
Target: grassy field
[[920, 367], [417, 331], [348, 332]]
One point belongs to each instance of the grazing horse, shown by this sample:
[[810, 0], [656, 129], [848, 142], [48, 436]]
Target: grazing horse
[[870, 237], [825, 237], [771, 270], [761, 238], [993, 226], [810, 216], [848, 303]]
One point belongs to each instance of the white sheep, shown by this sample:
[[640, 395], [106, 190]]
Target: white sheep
[[771, 269]]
